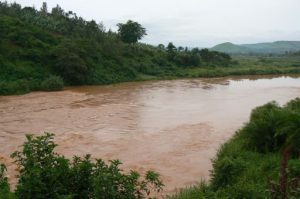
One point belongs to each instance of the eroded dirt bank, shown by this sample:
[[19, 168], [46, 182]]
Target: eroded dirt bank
[[173, 127]]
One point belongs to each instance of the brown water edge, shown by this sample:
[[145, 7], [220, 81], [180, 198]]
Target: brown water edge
[[174, 127]]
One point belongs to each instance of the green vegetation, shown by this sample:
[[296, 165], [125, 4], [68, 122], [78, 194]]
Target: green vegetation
[[278, 47], [43, 50], [36, 45], [46, 174], [131, 32], [261, 161], [4, 185], [231, 48], [53, 83]]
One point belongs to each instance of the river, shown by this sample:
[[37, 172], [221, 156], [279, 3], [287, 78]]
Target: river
[[174, 127]]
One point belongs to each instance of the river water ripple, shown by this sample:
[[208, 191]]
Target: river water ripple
[[174, 127]]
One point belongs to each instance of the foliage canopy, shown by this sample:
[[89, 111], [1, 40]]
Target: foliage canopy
[[131, 31]]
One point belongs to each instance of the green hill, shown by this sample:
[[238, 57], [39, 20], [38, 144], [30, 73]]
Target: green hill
[[230, 48], [43, 50], [278, 47]]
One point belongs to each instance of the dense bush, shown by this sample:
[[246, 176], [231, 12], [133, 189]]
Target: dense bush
[[225, 171], [14, 87], [293, 105], [272, 128], [261, 131], [53, 83], [46, 174]]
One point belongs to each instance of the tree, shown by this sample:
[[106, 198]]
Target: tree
[[161, 47], [180, 49], [72, 68], [205, 55], [131, 31], [171, 48], [44, 8], [68, 64], [57, 11]]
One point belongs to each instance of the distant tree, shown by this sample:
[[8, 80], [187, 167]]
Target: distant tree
[[16, 7], [72, 68], [92, 26], [205, 55], [195, 51], [44, 8], [28, 11], [57, 11], [101, 27], [180, 49], [161, 46], [171, 48], [131, 31]]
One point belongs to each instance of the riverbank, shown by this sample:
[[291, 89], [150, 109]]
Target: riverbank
[[37, 54], [208, 72], [260, 161], [244, 65], [21, 87]]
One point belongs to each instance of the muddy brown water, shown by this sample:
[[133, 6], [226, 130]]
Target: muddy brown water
[[174, 127]]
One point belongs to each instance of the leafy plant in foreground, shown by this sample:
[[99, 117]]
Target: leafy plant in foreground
[[43, 173], [4, 186], [46, 174]]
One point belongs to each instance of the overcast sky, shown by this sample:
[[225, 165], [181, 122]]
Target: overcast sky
[[201, 23]]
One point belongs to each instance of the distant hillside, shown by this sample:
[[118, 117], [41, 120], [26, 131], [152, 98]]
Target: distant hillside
[[278, 47], [231, 48], [44, 50]]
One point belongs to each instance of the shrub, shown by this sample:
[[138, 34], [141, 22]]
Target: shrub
[[293, 105], [43, 173], [260, 132], [4, 186], [70, 66], [81, 175], [226, 171], [53, 83], [46, 174], [14, 87], [110, 182]]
